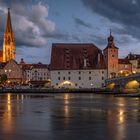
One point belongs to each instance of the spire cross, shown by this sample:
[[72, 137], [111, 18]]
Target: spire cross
[[110, 31]]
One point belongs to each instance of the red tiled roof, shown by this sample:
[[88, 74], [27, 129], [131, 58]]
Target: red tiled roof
[[32, 66], [2, 64], [72, 56], [124, 61]]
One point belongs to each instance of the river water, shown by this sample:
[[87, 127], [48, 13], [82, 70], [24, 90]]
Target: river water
[[69, 117]]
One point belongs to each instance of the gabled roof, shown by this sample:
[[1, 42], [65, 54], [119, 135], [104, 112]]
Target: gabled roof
[[34, 66], [2, 64], [123, 61], [67, 56]]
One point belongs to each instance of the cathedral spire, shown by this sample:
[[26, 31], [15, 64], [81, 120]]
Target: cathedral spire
[[8, 24], [8, 43]]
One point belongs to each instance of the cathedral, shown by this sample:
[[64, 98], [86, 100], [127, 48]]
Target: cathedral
[[8, 51]]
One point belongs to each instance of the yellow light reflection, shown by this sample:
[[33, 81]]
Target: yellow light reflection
[[121, 116], [9, 102], [66, 107], [7, 119]]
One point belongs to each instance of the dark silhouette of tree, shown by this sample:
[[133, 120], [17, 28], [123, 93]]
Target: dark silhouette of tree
[[3, 78]]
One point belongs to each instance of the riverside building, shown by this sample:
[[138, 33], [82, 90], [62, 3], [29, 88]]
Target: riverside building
[[77, 66]]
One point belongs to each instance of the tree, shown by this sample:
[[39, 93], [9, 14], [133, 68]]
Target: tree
[[3, 78]]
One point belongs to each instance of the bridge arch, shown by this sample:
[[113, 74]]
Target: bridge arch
[[66, 84], [124, 73], [111, 86], [133, 84]]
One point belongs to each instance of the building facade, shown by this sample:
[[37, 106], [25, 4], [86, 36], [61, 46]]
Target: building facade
[[77, 66], [13, 71], [111, 57], [35, 74]]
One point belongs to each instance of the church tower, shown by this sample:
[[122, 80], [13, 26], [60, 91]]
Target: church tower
[[8, 43], [111, 57]]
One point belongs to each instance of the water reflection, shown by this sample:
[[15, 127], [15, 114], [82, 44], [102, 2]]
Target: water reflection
[[66, 107], [11, 106], [121, 116], [69, 116], [7, 117]]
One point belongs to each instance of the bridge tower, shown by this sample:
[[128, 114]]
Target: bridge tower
[[111, 57]]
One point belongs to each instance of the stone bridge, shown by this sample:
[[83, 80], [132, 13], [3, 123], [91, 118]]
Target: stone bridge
[[128, 82]]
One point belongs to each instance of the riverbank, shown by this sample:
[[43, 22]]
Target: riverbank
[[47, 90]]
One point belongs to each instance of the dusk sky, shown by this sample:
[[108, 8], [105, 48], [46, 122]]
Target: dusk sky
[[39, 23]]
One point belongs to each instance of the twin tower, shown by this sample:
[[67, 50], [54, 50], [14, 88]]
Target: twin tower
[[8, 51]]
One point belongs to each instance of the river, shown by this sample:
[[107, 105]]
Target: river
[[69, 117]]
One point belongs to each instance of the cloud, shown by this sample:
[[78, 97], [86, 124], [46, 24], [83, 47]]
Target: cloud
[[30, 22], [80, 22], [126, 13]]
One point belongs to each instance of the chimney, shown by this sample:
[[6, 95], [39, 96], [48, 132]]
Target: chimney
[[99, 57], [85, 63]]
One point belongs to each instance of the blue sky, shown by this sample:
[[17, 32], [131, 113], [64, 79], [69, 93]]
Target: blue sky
[[39, 23]]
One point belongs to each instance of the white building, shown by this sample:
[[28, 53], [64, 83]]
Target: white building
[[77, 66], [37, 74]]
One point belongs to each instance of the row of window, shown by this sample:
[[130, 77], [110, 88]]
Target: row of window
[[69, 78], [79, 86], [80, 72]]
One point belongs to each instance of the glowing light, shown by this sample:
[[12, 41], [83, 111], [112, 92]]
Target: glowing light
[[134, 72], [66, 82], [132, 85], [111, 86]]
